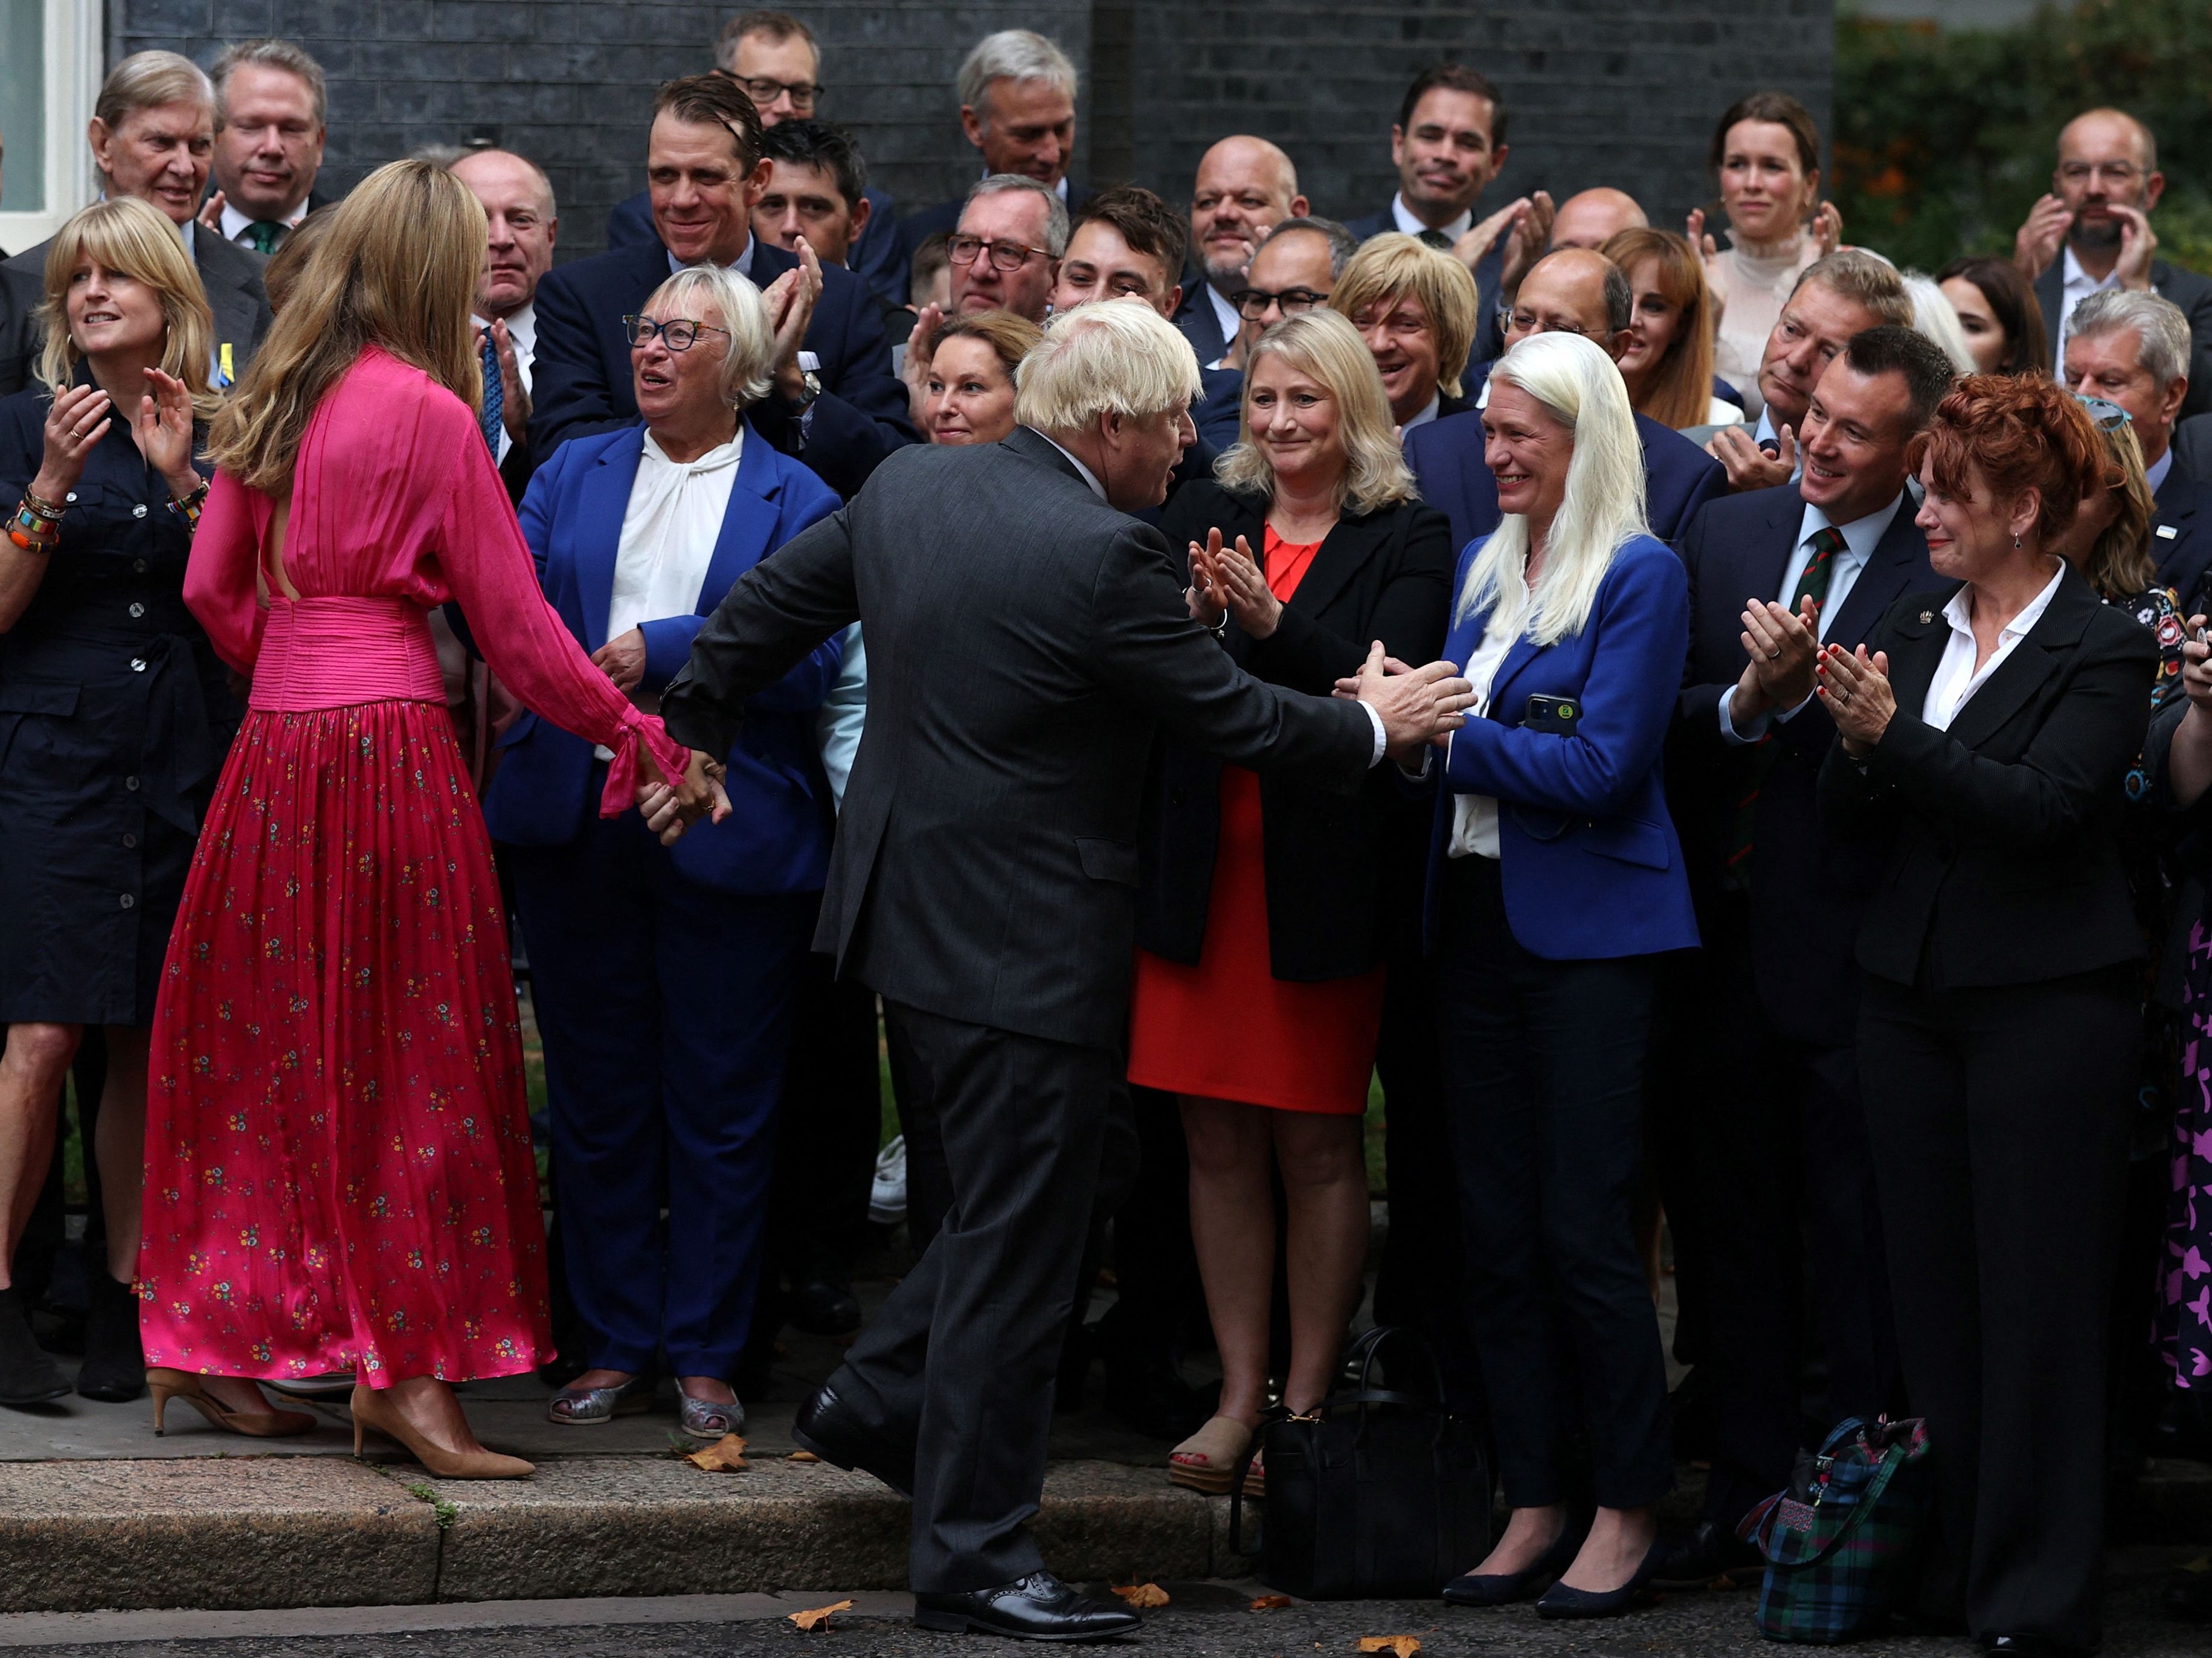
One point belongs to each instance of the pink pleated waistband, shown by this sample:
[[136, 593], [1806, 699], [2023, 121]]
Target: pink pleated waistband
[[336, 650]]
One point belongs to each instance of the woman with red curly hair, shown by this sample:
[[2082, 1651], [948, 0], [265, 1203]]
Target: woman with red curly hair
[[1986, 736]]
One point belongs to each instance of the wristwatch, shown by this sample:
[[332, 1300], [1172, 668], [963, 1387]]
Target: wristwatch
[[812, 382]]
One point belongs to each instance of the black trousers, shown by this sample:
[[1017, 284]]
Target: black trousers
[[959, 1361], [1785, 1170], [1998, 1119], [1544, 1064]]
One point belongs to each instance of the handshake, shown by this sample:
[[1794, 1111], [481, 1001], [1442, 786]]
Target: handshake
[[1418, 707], [669, 808]]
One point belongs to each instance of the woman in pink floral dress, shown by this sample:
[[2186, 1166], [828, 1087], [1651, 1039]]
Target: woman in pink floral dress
[[339, 1172]]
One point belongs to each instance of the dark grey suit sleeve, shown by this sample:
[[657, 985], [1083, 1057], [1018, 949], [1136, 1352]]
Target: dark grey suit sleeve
[[782, 608], [1146, 648]]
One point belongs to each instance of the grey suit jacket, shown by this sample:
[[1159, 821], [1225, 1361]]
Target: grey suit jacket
[[1025, 643], [230, 276], [19, 298]]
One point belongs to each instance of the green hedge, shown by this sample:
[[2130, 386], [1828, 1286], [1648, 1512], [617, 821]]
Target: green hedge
[[1944, 138]]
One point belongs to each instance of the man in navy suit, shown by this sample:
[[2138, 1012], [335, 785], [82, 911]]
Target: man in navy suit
[[1448, 144], [1245, 188], [2133, 348], [1575, 291], [1018, 109], [1768, 1015], [835, 404], [775, 59]]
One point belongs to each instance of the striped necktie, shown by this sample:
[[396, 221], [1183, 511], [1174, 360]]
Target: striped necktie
[[495, 396], [1819, 568]]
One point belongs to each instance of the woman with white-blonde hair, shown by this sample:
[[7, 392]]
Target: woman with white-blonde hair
[[1261, 914], [1555, 882], [664, 977]]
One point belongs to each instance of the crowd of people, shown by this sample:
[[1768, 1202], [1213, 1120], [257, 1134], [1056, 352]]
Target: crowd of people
[[1711, 724]]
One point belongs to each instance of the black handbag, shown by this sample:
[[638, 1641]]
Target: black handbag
[[1381, 1493]]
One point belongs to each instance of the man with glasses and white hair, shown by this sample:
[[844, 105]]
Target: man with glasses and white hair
[[152, 136], [1006, 249], [1027, 640], [1018, 109], [2133, 348], [2092, 233]]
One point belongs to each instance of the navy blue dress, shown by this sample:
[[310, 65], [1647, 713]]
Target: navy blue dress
[[114, 718]]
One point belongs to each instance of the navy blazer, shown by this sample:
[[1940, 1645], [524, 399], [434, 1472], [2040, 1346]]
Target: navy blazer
[[1446, 456], [581, 381], [1808, 888], [1195, 317], [875, 259], [2181, 536], [777, 840], [1590, 863]]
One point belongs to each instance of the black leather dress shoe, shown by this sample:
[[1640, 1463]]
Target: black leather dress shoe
[[1038, 1608], [827, 1426], [1702, 1556], [2035, 1646]]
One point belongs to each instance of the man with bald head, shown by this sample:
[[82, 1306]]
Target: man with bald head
[[2093, 233], [517, 203], [1591, 218], [1245, 188]]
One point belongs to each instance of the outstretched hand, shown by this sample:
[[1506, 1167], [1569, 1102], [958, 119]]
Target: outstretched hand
[[1418, 706]]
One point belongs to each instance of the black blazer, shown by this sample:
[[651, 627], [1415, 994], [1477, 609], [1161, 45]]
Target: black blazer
[[1383, 575], [1808, 890], [2181, 535], [2004, 862], [1025, 644], [20, 296], [2185, 288]]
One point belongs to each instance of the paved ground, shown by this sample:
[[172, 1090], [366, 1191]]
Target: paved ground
[[1202, 1620]]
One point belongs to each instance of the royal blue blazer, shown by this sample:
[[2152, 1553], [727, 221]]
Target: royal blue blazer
[[777, 839], [1591, 865]]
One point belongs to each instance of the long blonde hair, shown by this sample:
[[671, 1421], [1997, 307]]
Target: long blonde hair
[[136, 240], [1328, 348], [1603, 507], [2119, 564], [398, 270]]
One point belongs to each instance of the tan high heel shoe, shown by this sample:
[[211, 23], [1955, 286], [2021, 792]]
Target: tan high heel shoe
[[372, 1410], [167, 1384], [1206, 1461]]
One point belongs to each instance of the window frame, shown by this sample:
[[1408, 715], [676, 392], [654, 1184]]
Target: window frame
[[74, 65]]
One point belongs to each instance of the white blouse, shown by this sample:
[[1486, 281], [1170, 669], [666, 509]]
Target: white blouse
[[1956, 677], [1474, 817]]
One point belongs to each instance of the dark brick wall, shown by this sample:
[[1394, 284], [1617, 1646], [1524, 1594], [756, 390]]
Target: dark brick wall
[[1601, 92]]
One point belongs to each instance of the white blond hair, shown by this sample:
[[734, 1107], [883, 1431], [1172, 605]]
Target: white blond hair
[[749, 366], [1602, 511], [1935, 317], [1114, 358]]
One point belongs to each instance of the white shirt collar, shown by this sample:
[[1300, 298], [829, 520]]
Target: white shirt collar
[[1959, 612], [1436, 402], [234, 222], [2078, 281], [722, 455], [1412, 227], [2155, 474], [743, 264], [521, 329], [1089, 476], [1223, 313]]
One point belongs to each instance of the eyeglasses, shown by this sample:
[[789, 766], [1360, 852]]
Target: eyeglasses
[[2104, 414], [764, 91], [1006, 256], [2112, 172], [1515, 321], [1252, 303], [677, 333]]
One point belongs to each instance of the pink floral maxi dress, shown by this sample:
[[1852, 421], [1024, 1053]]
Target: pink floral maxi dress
[[338, 1165]]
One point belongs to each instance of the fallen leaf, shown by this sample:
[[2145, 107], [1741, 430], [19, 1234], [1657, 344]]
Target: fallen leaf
[[820, 1615], [725, 1455], [1270, 1602], [1404, 1646], [1142, 1595], [804, 1456]]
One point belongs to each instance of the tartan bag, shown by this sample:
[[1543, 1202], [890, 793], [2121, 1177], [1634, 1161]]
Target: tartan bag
[[1842, 1545]]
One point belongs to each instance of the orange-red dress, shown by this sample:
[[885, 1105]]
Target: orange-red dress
[[1228, 1029]]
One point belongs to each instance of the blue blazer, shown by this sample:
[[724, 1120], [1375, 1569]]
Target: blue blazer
[[777, 840], [1446, 456], [1591, 865], [581, 383]]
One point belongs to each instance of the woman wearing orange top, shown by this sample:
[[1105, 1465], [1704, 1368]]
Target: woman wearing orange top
[[1261, 921]]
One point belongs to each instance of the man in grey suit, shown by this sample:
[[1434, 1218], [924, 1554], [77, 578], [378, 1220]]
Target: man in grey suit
[[1026, 642], [152, 136]]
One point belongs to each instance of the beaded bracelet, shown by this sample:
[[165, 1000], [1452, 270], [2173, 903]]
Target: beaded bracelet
[[189, 507], [33, 530]]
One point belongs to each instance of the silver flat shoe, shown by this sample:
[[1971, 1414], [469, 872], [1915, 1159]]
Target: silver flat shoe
[[708, 1419], [582, 1407]]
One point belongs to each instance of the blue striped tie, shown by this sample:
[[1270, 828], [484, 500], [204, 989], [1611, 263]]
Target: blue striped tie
[[494, 396]]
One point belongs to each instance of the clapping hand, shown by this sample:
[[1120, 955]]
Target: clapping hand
[[1855, 689], [162, 429], [913, 366], [1525, 242], [211, 213], [1827, 230], [1708, 249], [514, 396], [670, 809], [1749, 466], [2041, 236], [2138, 241], [1236, 584], [1780, 648], [790, 300], [1207, 598], [2197, 669], [78, 418]]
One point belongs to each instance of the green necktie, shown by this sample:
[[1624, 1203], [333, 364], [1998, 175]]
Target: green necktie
[[1437, 239], [262, 235]]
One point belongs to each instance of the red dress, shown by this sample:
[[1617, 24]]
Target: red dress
[[1228, 1029], [338, 1165]]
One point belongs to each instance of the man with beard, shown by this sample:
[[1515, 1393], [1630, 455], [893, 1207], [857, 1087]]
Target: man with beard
[[1245, 188], [2093, 233]]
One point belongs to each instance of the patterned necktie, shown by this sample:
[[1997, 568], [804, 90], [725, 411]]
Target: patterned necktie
[[262, 235], [1437, 239], [1813, 584], [495, 396]]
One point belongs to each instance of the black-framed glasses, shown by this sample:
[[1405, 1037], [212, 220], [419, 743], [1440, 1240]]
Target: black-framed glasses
[[764, 91], [1512, 319], [2104, 414], [1006, 256], [677, 333], [1252, 303]]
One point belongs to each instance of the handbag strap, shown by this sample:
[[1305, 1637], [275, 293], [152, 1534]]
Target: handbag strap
[[1892, 1460]]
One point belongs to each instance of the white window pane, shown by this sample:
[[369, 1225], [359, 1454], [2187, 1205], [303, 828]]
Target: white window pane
[[23, 106]]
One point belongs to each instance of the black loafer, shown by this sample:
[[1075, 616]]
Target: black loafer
[[1038, 1608], [827, 1426], [1702, 1556], [1563, 1602], [1501, 1588]]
